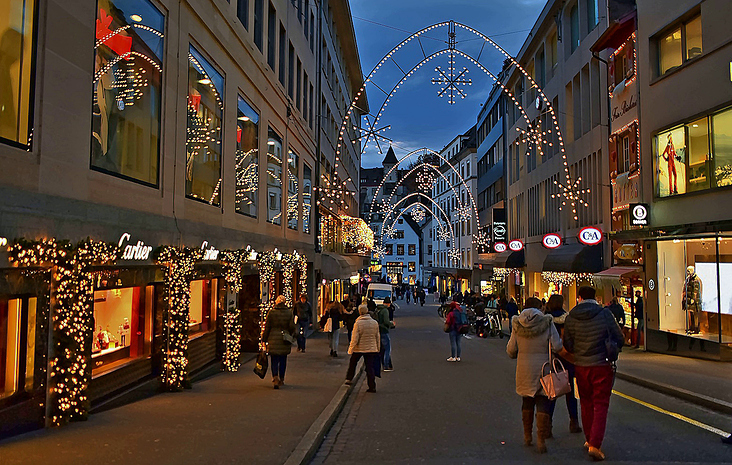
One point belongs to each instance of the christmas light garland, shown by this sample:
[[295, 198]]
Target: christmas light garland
[[233, 262], [563, 278]]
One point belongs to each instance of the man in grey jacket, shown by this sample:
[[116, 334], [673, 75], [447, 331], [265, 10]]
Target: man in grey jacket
[[587, 328]]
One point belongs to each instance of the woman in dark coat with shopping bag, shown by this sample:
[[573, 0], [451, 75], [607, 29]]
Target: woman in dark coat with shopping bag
[[531, 336], [279, 324]]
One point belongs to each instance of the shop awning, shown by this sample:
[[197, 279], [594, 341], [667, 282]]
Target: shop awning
[[612, 275], [508, 259], [335, 266], [575, 258], [616, 34]]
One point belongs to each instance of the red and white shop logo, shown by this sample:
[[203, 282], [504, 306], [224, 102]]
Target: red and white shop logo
[[590, 236], [516, 245], [499, 247], [551, 241]]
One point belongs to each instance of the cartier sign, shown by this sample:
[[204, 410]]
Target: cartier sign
[[210, 253], [139, 251]]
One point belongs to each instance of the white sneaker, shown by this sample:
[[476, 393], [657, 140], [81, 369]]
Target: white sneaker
[[452, 359], [457, 359]]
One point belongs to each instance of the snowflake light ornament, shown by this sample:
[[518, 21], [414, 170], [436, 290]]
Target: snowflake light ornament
[[418, 213], [370, 132], [453, 254], [464, 212]]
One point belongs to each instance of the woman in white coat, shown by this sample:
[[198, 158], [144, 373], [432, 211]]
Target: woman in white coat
[[366, 343]]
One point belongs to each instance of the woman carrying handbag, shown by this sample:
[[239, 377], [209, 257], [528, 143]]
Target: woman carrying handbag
[[531, 330], [279, 333]]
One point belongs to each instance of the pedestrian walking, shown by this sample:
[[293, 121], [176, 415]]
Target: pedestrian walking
[[278, 328], [532, 334], [638, 314], [303, 311], [455, 319], [421, 297], [408, 294], [593, 337], [366, 343], [385, 325], [618, 312], [335, 315], [555, 307], [512, 310]]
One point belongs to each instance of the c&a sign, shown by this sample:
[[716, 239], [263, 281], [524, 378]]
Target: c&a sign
[[551, 241], [590, 236]]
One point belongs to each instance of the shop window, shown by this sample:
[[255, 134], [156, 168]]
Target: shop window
[[679, 45], [293, 181], [307, 196], [671, 162], [17, 345], [247, 158], [122, 326], [202, 310], [698, 134], [412, 249], [17, 37], [722, 143], [412, 266], [127, 90], [400, 249], [691, 301], [203, 134], [274, 177]]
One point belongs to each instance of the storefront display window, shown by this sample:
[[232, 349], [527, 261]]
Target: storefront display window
[[203, 134], [16, 70], [247, 158], [17, 345], [293, 182], [127, 89], [307, 189], [274, 177], [695, 288], [202, 313], [121, 327], [671, 162], [722, 145]]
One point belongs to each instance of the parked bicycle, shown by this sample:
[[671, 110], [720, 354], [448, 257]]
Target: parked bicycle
[[495, 327]]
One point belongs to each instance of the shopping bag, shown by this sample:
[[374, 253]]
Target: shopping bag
[[260, 368], [287, 337], [328, 325], [556, 382]]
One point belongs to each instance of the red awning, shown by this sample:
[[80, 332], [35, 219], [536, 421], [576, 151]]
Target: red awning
[[616, 34]]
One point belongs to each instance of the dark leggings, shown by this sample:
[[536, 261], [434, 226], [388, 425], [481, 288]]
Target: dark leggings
[[542, 403]]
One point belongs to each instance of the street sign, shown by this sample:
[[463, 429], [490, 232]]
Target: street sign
[[516, 245], [590, 236], [639, 214], [551, 241]]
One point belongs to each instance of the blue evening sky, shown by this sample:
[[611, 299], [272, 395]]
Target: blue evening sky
[[418, 117]]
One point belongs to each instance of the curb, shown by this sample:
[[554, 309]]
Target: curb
[[313, 438], [699, 399]]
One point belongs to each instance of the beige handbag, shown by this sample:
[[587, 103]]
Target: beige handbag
[[556, 382]]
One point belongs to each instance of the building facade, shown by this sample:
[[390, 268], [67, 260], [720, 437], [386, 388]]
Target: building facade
[[192, 127]]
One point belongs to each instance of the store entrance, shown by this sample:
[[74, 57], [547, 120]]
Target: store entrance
[[250, 313]]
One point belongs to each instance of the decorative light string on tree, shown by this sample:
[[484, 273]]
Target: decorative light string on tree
[[357, 234], [501, 273], [266, 262], [564, 278], [233, 262]]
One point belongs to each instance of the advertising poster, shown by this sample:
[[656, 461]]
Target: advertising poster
[[671, 162]]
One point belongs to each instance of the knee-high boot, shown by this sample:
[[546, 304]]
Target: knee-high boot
[[543, 424], [528, 418]]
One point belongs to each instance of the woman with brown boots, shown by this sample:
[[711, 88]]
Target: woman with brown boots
[[531, 336]]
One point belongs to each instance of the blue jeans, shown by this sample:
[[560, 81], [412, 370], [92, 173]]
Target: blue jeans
[[334, 337], [455, 343], [302, 328], [386, 351], [279, 365]]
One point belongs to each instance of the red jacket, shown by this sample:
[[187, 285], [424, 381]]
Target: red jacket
[[450, 320]]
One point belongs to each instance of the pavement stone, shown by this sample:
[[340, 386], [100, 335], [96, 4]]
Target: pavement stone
[[229, 418]]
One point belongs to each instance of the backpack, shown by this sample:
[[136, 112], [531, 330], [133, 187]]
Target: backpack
[[461, 322]]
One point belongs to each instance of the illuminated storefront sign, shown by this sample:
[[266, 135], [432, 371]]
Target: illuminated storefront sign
[[500, 247], [590, 236], [639, 213], [516, 245], [139, 251], [210, 253], [499, 228], [551, 241]]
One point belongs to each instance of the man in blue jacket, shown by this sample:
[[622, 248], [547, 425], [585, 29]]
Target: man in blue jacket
[[589, 330]]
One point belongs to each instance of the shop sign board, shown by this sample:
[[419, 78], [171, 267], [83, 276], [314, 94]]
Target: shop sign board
[[500, 247], [624, 105], [209, 254], [551, 241], [516, 245], [590, 236], [499, 226], [626, 191], [139, 251], [639, 213]]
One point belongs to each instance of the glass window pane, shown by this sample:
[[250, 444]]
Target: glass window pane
[[10, 321], [247, 158], [669, 52], [127, 89], [30, 353], [693, 38], [307, 189], [203, 137], [698, 178], [16, 59], [293, 181], [574, 24], [274, 177], [670, 149], [722, 140]]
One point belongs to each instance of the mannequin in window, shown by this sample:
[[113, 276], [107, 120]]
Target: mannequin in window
[[691, 299]]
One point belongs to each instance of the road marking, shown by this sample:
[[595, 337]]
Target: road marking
[[678, 416]]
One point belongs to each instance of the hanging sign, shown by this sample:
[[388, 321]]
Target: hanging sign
[[139, 251], [500, 247], [639, 214], [551, 241], [210, 253], [499, 226], [516, 245], [590, 236]]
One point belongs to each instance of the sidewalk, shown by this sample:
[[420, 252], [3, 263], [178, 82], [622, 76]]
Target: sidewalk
[[227, 418], [702, 382]]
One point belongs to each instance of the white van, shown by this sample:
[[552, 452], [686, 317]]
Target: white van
[[378, 292]]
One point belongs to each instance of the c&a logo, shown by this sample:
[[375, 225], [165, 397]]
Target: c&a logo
[[590, 236], [551, 241], [516, 245], [499, 247]]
